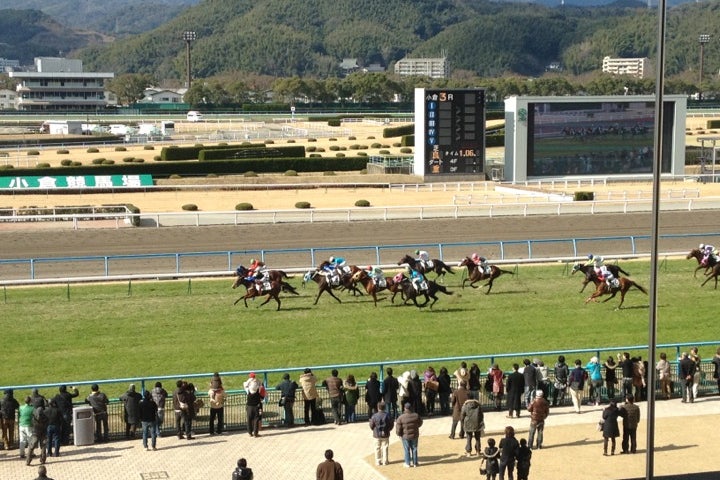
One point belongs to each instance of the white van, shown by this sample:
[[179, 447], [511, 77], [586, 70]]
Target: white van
[[194, 116]]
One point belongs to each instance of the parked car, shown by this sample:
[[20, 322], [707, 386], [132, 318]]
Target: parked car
[[194, 116]]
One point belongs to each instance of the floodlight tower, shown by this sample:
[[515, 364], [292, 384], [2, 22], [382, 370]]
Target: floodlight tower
[[702, 39], [189, 37]]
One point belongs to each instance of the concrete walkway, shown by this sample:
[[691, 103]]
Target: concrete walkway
[[573, 449]]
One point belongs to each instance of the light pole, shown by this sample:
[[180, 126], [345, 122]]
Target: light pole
[[703, 39], [189, 37]]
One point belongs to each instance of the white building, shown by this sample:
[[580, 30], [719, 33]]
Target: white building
[[154, 95], [428, 67], [7, 99], [60, 84], [635, 67]]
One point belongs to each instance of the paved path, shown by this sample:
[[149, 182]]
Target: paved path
[[573, 450]]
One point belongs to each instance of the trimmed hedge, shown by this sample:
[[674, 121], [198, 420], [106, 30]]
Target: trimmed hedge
[[407, 141], [584, 196], [245, 152], [497, 140], [399, 131], [193, 153]]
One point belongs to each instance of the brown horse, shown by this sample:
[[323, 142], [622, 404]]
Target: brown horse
[[475, 274], [438, 266], [272, 275], [591, 276], [714, 273], [373, 288], [698, 255], [624, 285], [324, 285], [433, 288], [272, 292]]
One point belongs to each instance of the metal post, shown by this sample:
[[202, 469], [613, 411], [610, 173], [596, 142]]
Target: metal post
[[703, 39], [189, 37]]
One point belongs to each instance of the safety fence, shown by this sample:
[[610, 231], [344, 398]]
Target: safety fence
[[235, 417]]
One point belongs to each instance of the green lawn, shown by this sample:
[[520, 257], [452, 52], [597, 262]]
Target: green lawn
[[162, 328]]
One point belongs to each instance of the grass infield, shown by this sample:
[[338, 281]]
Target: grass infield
[[165, 328]]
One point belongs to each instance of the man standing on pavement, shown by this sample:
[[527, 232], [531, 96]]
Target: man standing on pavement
[[99, 402], [64, 400], [159, 396], [334, 387], [329, 469], [390, 392], [287, 390], [687, 373], [407, 427], [472, 419], [539, 410], [309, 390], [631, 418], [381, 424], [530, 379]]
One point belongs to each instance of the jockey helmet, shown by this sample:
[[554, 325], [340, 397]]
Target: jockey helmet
[[417, 252], [407, 269], [369, 268], [702, 245], [331, 259], [252, 260], [591, 256], [377, 270], [475, 256]]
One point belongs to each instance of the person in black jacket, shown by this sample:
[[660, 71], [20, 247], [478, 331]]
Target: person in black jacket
[[148, 419], [64, 401], [8, 406], [687, 372], [287, 390], [390, 392], [242, 472], [54, 428], [372, 393], [514, 387], [509, 447]]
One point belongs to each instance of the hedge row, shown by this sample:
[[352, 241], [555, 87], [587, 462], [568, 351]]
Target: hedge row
[[399, 131], [244, 152], [407, 141], [497, 140], [193, 153], [713, 124], [40, 140], [218, 167]]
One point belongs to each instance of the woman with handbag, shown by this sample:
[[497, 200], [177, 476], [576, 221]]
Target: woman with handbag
[[431, 388]]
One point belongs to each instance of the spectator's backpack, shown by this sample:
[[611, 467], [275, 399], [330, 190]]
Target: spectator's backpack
[[384, 425]]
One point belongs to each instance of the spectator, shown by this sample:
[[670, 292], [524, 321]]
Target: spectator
[[523, 459], [182, 405], [444, 391], [287, 390], [64, 401], [351, 393], [459, 397], [99, 402], [577, 385], [242, 472], [610, 427], [54, 428], [562, 372], [595, 375], [373, 396], [539, 410], [39, 435], [515, 386], [415, 389], [42, 473], [631, 418], [403, 388], [381, 424], [216, 397], [159, 395], [431, 384], [8, 406], [508, 453], [498, 387], [626, 365], [37, 399], [695, 357], [474, 381], [329, 469], [490, 456], [610, 377], [253, 407], [390, 392], [639, 378], [148, 414], [663, 368], [687, 373], [407, 427], [309, 390], [131, 400], [472, 418], [543, 379], [530, 375], [335, 390], [462, 374], [716, 373], [25, 415]]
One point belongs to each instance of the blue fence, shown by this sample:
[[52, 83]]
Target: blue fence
[[226, 261]]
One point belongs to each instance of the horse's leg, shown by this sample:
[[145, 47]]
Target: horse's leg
[[613, 293], [489, 285], [330, 292], [584, 284], [435, 299], [707, 280]]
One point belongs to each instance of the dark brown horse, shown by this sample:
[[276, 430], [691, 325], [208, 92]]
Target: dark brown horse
[[712, 275], [272, 275], [373, 288], [257, 291], [476, 274], [323, 283], [591, 276], [438, 266], [624, 284], [698, 255], [433, 288]]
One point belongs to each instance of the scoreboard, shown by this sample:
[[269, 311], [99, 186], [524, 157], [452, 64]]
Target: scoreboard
[[453, 131]]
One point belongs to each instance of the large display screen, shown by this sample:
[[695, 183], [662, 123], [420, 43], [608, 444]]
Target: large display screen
[[595, 138], [454, 131]]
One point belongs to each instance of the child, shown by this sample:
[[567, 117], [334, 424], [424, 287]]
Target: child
[[523, 460], [490, 459]]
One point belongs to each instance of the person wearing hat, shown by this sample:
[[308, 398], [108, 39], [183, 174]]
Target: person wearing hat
[[131, 400], [407, 427], [216, 396], [287, 389], [539, 410], [99, 402]]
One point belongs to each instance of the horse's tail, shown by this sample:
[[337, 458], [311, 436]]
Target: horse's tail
[[639, 287], [627, 274], [286, 287], [443, 289], [445, 266]]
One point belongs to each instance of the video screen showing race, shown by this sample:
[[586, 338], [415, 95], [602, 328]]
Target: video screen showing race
[[592, 138]]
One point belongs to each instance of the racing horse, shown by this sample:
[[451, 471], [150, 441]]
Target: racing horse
[[698, 255], [476, 274], [713, 274], [272, 275], [624, 284], [433, 288], [591, 276], [438, 266], [273, 292], [324, 285], [372, 288]]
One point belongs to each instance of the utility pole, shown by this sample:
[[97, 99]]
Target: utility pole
[[189, 37], [703, 39]]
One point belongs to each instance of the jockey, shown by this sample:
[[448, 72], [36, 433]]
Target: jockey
[[480, 262], [423, 257], [597, 262], [337, 263], [376, 274], [416, 278], [707, 251], [256, 270], [609, 278]]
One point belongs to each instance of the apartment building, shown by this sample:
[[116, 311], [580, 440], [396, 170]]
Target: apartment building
[[428, 67], [635, 67]]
